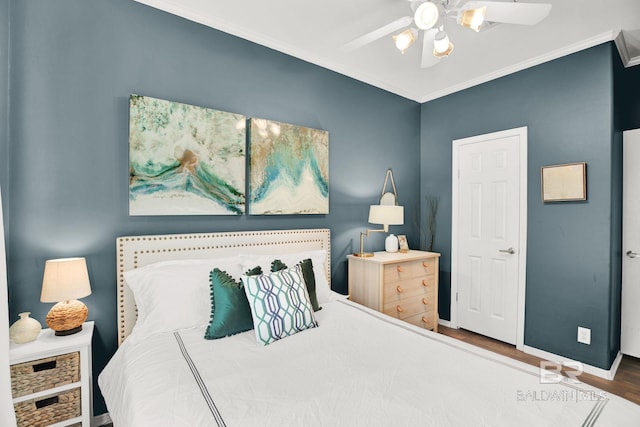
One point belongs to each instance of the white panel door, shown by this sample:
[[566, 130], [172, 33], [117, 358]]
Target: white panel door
[[488, 235], [630, 338]]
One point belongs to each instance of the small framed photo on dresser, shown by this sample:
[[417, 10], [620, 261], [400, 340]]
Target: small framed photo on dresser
[[402, 243]]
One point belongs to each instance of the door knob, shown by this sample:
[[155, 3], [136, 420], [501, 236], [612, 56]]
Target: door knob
[[511, 251], [632, 254]]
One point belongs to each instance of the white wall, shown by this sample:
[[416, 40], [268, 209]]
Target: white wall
[[7, 416]]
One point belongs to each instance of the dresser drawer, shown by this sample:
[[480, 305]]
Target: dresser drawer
[[402, 285], [406, 270], [48, 410], [415, 288], [406, 308], [424, 320], [44, 374]]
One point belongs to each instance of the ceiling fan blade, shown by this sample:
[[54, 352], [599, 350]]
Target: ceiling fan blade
[[428, 59], [512, 13], [374, 35]]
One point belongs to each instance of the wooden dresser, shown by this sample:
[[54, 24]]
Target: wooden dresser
[[402, 285]]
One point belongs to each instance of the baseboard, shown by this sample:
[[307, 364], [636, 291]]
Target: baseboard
[[607, 374], [100, 420], [615, 365], [443, 322]]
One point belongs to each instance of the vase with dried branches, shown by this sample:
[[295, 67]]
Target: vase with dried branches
[[428, 229], [432, 211]]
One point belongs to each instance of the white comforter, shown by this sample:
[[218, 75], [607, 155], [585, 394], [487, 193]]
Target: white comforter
[[353, 370]]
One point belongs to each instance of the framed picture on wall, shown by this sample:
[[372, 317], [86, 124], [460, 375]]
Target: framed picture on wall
[[564, 183], [185, 159], [289, 169]]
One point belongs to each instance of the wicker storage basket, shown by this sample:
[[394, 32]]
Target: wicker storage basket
[[48, 410], [44, 374]]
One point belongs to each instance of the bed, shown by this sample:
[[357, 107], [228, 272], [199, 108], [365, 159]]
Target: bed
[[348, 366]]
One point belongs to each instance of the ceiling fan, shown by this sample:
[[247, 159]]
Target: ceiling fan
[[429, 19]]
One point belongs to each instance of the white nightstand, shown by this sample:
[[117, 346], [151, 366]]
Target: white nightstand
[[402, 285], [51, 379]]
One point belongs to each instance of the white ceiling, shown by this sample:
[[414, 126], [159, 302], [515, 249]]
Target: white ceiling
[[315, 31]]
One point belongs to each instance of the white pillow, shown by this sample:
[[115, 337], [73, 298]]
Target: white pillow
[[318, 258], [172, 295]]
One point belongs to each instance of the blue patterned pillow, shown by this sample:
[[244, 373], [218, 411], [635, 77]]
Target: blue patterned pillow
[[279, 304]]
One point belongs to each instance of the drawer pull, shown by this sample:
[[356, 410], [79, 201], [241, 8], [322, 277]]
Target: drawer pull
[[399, 289], [47, 402], [400, 309], [399, 268], [424, 319], [424, 301], [424, 283], [44, 366], [425, 264]]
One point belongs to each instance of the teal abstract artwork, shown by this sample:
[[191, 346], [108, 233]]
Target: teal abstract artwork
[[289, 169], [185, 160]]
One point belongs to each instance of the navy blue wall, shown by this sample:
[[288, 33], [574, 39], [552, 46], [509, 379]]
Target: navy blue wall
[[74, 64], [567, 105]]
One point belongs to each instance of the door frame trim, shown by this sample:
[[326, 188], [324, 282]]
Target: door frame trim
[[520, 132]]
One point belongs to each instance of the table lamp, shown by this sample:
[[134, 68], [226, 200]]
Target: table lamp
[[64, 281], [386, 213]]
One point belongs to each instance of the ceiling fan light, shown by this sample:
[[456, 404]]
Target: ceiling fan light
[[404, 39], [441, 45], [472, 18], [426, 15]]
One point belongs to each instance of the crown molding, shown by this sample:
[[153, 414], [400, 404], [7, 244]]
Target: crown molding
[[625, 52]]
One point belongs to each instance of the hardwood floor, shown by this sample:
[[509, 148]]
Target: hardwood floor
[[626, 383]]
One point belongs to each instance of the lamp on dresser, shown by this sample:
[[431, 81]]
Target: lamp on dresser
[[65, 280], [386, 213]]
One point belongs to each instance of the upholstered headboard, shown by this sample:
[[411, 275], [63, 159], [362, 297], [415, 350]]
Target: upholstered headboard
[[138, 251]]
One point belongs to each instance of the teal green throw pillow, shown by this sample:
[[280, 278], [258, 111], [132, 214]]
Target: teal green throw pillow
[[254, 271], [230, 311], [277, 265], [309, 279], [310, 282]]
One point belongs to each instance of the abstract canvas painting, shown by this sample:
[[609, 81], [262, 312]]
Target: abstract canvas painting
[[289, 169], [185, 160]]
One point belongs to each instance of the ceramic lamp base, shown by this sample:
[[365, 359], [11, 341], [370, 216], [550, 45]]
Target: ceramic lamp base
[[67, 317]]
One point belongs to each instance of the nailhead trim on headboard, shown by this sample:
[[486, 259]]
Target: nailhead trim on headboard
[[137, 251]]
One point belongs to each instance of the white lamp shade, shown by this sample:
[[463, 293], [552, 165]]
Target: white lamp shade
[[472, 18], [404, 39], [386, 215], [426, 15], [441, 42], [65, 279]]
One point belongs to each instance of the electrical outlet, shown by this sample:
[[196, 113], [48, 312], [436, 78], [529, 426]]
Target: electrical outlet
[[584, 335]]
